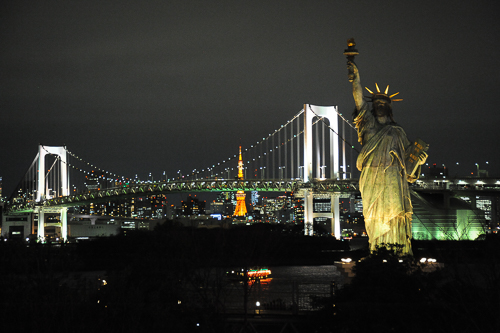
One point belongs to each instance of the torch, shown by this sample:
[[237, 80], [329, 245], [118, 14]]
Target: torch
[[350, 53]]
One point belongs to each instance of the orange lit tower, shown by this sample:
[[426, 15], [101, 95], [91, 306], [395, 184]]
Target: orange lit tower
[[241, 208]]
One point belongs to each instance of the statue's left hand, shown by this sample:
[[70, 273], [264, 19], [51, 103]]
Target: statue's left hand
[[422, 158]]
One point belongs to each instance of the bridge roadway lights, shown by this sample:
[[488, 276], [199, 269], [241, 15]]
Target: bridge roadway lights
[[285, 185], [220, 185]]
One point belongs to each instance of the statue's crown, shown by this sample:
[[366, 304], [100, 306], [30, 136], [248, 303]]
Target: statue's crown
[[383, 95]]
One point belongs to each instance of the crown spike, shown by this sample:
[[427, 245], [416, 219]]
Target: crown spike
[[371, 92], [386, 90], [397, 100], [393, 95], [376, 85]]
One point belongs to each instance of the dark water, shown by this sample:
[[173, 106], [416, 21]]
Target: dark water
[[291, 287]]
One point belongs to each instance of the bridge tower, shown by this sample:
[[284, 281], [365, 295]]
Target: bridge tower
[[330, 113], [42, 190], [241, 208]]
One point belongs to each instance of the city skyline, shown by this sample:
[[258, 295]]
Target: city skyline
[[132, 88]]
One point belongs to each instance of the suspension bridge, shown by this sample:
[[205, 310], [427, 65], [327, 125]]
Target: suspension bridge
[[308, 155]]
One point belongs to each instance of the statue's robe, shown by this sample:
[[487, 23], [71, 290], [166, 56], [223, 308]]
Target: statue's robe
[[383, 182]]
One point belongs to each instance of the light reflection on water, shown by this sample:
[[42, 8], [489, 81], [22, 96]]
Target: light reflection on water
[[305, 273], [289, 285]]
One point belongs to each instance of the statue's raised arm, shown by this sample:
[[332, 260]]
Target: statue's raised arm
[[357, 90], [353, 73]]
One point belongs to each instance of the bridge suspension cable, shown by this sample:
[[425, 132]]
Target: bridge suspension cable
[[278, 155]]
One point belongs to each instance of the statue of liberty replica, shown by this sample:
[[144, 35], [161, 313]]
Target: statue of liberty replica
[[388, 161]]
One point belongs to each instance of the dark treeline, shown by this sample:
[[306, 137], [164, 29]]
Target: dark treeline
[[173, 278]]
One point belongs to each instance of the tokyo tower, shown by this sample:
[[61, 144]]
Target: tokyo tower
[[241, 208]]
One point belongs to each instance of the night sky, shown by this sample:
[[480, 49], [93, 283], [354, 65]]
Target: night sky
[[149, 86]]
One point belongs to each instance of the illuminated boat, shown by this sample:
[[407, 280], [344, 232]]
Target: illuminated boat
[[258, 274], [251, 274]]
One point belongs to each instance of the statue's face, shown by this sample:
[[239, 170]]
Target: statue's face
[[381, 107]]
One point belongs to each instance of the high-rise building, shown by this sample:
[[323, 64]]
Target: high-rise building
[[298, 209], [192, 206], [254, 198]]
